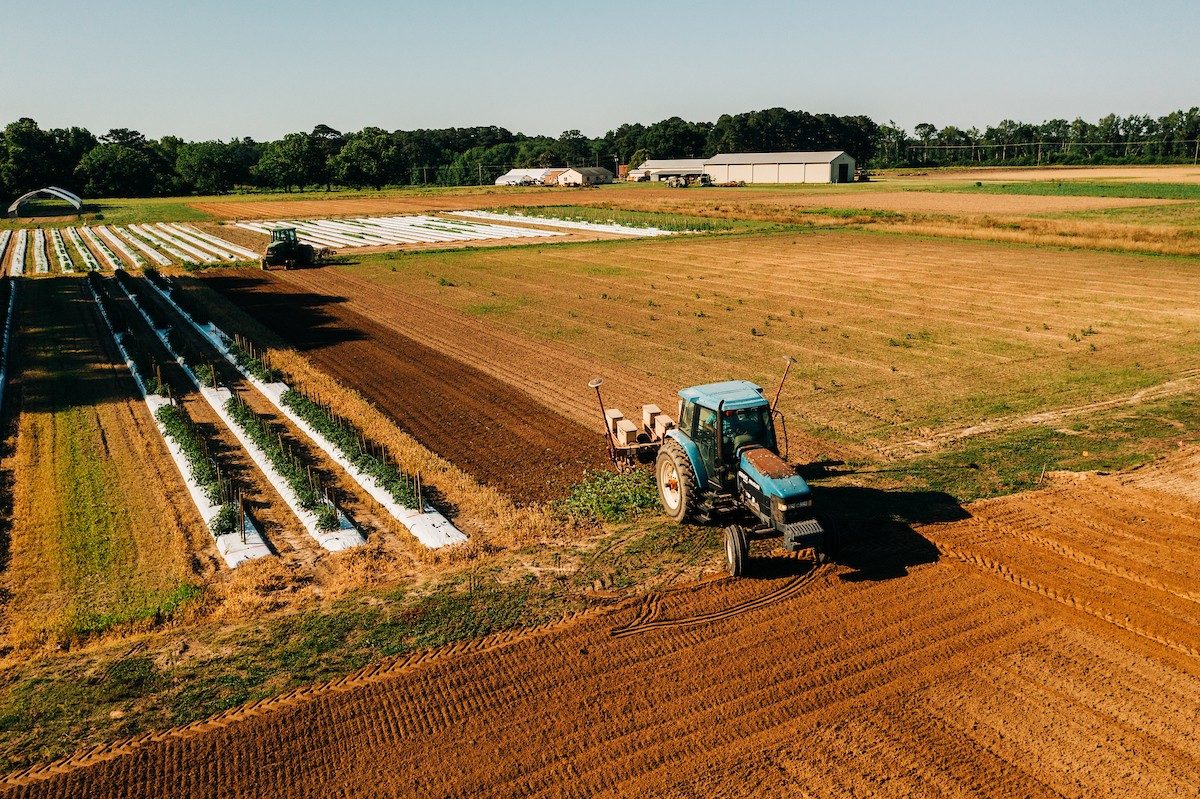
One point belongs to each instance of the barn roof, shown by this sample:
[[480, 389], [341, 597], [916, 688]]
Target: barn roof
[[673, 163], [591, 171], [821, 157]]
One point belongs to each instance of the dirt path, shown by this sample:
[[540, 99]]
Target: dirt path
[[1051, 651], [500, 435]]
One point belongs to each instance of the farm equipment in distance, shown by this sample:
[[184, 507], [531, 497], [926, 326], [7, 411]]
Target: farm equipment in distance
[[722, 461], [288, 251]]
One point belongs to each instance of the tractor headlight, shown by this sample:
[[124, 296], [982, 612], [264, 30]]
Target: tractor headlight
[[785, 512]]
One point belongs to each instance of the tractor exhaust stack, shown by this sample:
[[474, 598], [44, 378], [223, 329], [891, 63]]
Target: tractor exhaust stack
[[775, 402]]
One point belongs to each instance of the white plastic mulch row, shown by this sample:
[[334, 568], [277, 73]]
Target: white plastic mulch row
[[129, 237], [427, 525], [18, 257], [596, 227], [106, 253], [5, 237], [111, 238], [41, 264], [89, 260], [392, 230], [152, 236], [225, 249], [8, 325], [60, 251], [235, 548], [346, 537]]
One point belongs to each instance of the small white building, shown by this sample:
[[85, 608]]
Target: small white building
[[833, 166], [663, 168], [584, 176], [522, 177]]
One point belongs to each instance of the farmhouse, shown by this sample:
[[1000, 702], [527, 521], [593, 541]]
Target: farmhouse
[[663, 168], [584, 176], [832, 166]]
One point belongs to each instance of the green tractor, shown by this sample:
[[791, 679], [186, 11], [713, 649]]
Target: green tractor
[[287, 250]]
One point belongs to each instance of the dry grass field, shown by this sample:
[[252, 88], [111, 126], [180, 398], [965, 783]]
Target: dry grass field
[[102, 528], [1037, 644], [900, 341]]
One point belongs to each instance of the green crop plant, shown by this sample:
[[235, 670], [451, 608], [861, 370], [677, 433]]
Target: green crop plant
[[289, 465], [180, 429], [354, 447]]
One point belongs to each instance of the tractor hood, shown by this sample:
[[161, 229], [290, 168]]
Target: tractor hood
[[772, 474]]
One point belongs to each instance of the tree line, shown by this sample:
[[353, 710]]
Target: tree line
[[125, 163], [1135, 139]]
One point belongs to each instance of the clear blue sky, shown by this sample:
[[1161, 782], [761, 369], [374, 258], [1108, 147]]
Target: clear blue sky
[[262, 68]]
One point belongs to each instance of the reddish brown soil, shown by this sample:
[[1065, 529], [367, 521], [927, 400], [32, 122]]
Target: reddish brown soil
[[1047, 647], [495, 432]]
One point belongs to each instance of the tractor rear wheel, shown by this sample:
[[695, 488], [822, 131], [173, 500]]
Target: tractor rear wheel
[[737, 550], [676, 481]]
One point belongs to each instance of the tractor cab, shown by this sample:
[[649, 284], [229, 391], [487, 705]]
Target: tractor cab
[[286, 250], [285, 234]]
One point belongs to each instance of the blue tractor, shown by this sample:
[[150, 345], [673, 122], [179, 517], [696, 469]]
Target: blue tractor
[[722, 460]]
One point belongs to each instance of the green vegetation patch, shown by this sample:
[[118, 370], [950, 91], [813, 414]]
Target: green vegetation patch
[[51, 707], [1083, 188], [608, 496]]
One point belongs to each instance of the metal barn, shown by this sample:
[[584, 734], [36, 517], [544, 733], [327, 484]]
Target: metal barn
[[817, 167]]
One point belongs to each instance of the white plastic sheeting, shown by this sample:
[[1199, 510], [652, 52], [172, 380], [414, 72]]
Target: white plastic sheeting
[[152, 236], [427, 525], [346, 537], [625, 230], [235, 548], [41, 264], [5, 237], [226, 249], [89, 260], [392, 230], [150, 252], [50, 191], [20, 238], [106, 254], [109, 237], [6, 339]]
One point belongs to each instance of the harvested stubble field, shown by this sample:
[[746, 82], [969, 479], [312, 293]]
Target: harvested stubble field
[[102, 528], [903, 344], [1038, 645]]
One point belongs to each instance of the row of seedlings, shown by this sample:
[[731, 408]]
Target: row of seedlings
[[87, 259], [216, 496], [287, 468], [109, 237], [381, 482], [60, 251], [106, 254]]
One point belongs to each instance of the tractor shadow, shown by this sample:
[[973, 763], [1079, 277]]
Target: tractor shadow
[[301, 318], [874, 530]]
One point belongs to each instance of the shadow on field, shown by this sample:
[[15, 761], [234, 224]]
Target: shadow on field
[[873, 529], [298, 317]]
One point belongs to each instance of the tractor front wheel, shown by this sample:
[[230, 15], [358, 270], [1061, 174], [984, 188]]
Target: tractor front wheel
[[676, 481], [737, 550]]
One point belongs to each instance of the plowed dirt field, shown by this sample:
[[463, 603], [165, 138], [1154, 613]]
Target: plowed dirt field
[[495, 431], [750, 202], [1049, 651]]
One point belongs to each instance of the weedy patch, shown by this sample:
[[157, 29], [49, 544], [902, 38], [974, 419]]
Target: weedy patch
[[610, 496]]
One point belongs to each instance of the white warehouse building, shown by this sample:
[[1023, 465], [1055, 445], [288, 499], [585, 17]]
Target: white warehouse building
[[833, 166]]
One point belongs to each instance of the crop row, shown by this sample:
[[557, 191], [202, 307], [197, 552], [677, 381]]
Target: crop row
[[356, 448], [60, 250], [304, 483], [182, 430]]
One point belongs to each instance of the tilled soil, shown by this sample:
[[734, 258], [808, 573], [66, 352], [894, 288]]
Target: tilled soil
[[1046, 648], [497, 433]]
